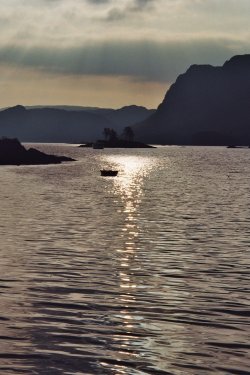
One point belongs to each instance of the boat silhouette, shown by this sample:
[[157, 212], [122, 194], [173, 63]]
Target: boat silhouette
[[108, 172]]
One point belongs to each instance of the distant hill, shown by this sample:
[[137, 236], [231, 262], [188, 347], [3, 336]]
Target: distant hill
[[51, 125], [127, 116], [64, 123], [70, 108], [205, 106], [124, 116]]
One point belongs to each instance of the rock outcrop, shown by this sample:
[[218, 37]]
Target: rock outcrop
[[12, 152]]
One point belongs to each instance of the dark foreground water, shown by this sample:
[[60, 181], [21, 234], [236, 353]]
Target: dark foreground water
[[144, 273]]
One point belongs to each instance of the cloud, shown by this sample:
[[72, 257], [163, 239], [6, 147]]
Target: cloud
[[98, 2], [139, 60], [130, 9], [61, 22], [115, 14], [143, 42], [143, 3]]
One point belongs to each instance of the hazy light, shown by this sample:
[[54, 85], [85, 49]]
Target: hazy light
[[134, 48]]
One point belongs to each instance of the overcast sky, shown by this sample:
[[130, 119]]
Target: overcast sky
[[112, 53]]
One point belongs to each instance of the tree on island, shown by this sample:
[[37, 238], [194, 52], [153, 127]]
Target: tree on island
[[110, 134], [126, 140], [106, 133], [113, 135], [128, 134]]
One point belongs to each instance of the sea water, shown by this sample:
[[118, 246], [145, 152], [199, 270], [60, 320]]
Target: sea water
[[143, 273]]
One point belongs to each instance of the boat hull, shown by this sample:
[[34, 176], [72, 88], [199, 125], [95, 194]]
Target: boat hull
[[108, 173]]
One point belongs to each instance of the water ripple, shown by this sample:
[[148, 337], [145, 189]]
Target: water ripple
[[145, 273]]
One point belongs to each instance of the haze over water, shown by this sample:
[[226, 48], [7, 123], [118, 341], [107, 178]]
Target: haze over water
[[144, 273]]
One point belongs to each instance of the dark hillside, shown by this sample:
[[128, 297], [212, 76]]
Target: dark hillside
[[206, 105]]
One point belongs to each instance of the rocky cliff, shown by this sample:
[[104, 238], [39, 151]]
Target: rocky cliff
[[206, 105]]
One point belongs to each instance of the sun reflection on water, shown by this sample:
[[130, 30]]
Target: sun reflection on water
[[129, 184], [129, 189]]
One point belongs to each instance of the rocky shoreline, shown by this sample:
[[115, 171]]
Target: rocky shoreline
[[12, 152]]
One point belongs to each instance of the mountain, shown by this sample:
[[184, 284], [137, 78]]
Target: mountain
[[207, 105], [119, 118], [71, 108], [65, 123], [127, 115], [51, 125]]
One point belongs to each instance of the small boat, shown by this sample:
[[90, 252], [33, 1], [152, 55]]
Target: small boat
[[109, 172]]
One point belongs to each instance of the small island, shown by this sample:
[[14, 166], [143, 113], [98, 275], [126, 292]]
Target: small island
[[12, 152], [112, 141], [120, 143]]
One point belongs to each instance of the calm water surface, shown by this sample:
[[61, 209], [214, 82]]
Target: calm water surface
[[144, 273]]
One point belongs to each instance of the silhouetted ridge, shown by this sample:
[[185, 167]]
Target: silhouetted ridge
[[200, 69], [16, 109], [238, 62], [206, 105], [66, 124]]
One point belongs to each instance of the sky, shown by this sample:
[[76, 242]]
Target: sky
[[112, 53]]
